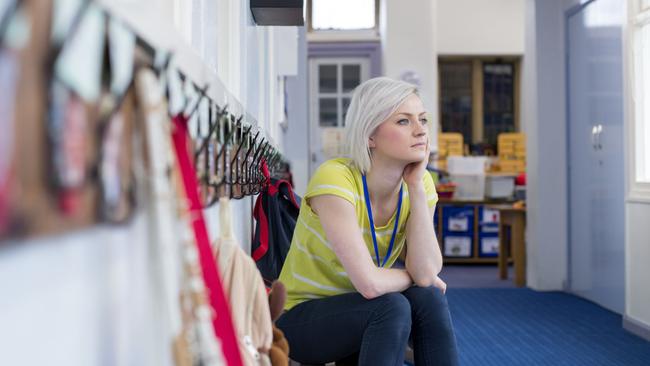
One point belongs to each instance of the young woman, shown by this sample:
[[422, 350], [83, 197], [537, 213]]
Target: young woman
[[358, 215]]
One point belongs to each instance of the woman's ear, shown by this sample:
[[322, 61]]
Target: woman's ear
[[371, 142]]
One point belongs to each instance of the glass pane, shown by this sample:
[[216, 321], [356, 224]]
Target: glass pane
[[327, 78], [351, 77], [346, 104], [327, 112], [498, 101], [357, 14], [456, 98]]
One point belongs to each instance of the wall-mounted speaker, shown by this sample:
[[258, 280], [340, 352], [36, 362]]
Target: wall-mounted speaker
[[277, 12]]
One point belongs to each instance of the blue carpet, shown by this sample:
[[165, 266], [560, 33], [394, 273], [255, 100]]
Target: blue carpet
[[523, 327]]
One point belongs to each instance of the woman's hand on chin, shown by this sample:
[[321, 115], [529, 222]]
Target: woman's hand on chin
[[414, 172]]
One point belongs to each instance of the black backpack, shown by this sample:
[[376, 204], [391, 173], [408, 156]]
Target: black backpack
[[276, 212]]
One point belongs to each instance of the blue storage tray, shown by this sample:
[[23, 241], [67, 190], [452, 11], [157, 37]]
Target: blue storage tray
[[458, 220], [488, 245], [457, 246], [488, 223]]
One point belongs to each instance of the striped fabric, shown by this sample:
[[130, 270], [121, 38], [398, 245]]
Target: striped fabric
[[311, 269]]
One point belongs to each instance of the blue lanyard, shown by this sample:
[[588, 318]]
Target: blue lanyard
[[372, 222]]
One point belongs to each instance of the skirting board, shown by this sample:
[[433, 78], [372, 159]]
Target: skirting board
[[636, 327]]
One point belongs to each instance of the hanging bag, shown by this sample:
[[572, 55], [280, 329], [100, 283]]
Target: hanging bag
[[276, 212]]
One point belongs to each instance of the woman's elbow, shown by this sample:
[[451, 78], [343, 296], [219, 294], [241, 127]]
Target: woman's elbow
[[368, 290], [425, 277]]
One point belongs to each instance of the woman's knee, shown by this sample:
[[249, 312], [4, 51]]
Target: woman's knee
[[427, 300], [393, 307]]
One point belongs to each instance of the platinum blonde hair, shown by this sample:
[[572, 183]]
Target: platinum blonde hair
[[372, 103]]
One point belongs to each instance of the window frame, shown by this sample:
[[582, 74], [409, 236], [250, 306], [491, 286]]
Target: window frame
[[342, 34], [638, 191]]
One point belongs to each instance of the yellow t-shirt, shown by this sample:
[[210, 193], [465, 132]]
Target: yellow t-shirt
[[311, 269]]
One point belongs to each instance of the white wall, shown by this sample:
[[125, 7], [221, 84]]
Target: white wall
[[85, 298], [478, 27], [637, 211], [94, 297], [545, 122], [637, 254], [297, 134], [408, 36]]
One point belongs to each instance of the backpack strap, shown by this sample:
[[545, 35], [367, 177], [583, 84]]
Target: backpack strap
[[263, 222], [284, 187]]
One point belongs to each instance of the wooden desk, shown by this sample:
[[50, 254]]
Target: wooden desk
[[515, 218]]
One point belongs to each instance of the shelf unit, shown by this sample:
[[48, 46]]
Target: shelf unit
[[475, 257]]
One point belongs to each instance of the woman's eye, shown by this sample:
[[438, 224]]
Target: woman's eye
[[403, 121], [424, 121]]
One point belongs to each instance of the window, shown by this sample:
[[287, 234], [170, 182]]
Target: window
[[335, 79], [456, 98], [498, 95], [342, 15], [331, 83], [478, 98], [641, 78]]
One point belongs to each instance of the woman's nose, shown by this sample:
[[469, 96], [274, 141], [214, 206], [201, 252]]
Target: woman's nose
[[419, 129]]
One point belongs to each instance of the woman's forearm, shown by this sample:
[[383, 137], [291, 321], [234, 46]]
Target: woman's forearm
[[423, 257], [386, 280]]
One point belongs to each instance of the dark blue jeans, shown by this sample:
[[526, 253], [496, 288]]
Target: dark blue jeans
[[334, 328]]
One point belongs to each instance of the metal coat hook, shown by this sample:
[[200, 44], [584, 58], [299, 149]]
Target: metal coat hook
[[235, 142], [214, 127], [159, 69], [237, 164], [247, 181], [242, 134], [223, 153], [249, 149], [228, 137], [202, 94], [269, 155], [273, 161], [253, 168], [223, 137], [259, 154], [256, 177]]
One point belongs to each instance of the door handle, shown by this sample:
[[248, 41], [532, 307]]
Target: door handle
[[596, 132]]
